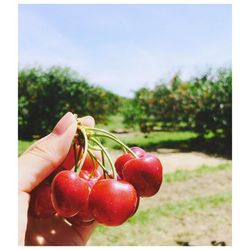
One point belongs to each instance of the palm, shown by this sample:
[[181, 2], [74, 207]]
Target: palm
[[55, 231]]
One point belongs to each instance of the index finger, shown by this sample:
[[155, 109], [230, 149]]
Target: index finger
[[88, 121]]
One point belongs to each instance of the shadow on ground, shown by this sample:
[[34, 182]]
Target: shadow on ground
[[216, 146]]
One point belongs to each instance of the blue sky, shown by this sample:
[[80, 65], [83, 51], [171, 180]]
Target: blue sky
[[124, 47]]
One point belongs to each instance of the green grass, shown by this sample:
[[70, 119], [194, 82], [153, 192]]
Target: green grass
[[23, 145], [114, 122], [183, 175], [131, 139], [178, 209], [152, 140]]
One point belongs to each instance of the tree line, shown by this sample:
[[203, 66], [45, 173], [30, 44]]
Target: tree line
[[203, 104]]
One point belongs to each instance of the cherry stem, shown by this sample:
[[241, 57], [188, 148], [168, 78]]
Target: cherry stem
[[107, 155], [112, 137], [101, 165], [103, 162], [75, 157], [82, 130], [79, 153]]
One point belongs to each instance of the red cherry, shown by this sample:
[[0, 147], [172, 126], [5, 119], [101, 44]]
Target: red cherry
[[69, 161], [83, 217], [138, 151], [89, 164], [145, 174], [120, 161], [137, 205], [91, 176], [112, 202], [50, 178], [69, 193], [40, 203]]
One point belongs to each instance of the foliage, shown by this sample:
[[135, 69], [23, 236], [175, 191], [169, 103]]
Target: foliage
[[203, 104], [44, 96]]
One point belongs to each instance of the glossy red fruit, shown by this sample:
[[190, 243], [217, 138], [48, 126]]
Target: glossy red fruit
[[50, 178], [120, 162], [145, 174], [83, 217], [112, 202], [91, 176], [137, 205], [40, 205], [69, 193], [89, 164], [122, 159], [138, 151], [69, 161]]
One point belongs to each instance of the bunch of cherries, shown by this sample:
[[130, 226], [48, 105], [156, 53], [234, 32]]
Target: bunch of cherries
[[84, 190]]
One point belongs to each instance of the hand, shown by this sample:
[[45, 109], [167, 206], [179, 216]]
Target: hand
[[35, 165]]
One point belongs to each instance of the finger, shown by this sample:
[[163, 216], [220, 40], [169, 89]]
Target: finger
[[46, 154], [23, 203], [88, 121]]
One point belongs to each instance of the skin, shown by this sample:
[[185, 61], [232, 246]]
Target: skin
[[41, 159]]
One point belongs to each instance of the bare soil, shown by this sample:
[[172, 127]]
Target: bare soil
[[199, 227], [173, 160], [206, 185]]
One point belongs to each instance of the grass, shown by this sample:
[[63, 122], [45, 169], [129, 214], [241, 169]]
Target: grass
[[152, 140], [23, 145], [178, 209], [183, 175], [130, 233], [132, 139], [113, 122]]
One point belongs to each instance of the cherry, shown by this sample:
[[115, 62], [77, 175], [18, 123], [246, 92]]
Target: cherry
[[83, 217], [50, 178], [112, 202], [91, 176], [69, 193], [137, 205], [120, 161], [89, 164], [145, 174], [69, 161], [138, 151], [40, 203]]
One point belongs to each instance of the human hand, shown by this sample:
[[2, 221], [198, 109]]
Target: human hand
[[35, 165]]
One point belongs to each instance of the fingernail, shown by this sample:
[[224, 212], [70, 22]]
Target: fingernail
[[64, 123], [88, 121]]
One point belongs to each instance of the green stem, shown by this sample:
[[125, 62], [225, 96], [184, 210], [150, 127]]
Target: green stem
[[107, 155], [82, 130], [94, 148], [101, 130], [118, 141], [103, 162], [75, 157], [101, 165], [79, 153]]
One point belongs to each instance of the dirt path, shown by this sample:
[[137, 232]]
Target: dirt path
[[206, 185], [173, 160], [199, 226]]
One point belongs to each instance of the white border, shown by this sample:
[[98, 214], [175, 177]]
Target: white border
[[125, 2], [8, 102]]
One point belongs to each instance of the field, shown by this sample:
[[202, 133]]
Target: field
[[193, 206]]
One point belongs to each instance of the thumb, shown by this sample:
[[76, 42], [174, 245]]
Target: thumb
[[46, 154]]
